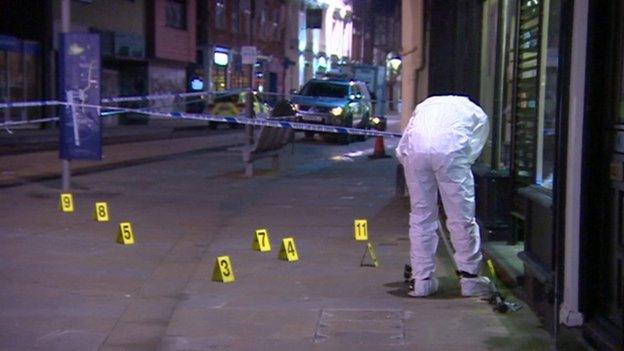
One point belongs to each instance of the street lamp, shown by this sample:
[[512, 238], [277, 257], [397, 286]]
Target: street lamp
[[395, 63]]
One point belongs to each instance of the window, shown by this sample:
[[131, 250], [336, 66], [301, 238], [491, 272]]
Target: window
[[263, 23], [245, 11], [220, 14], [276, 25], [547, 114], [235, 16], [175, 14]]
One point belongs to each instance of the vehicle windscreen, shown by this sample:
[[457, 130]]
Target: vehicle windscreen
[[325, 89]]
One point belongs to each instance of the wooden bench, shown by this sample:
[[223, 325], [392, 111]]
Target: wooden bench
[[268, 143]]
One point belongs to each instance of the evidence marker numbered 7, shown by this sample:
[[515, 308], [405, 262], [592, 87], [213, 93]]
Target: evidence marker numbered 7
[[261, 241]]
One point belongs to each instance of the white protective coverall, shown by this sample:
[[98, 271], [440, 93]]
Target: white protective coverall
[[444, 137]]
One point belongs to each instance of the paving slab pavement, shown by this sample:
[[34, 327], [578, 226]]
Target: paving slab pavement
[[69, 286]]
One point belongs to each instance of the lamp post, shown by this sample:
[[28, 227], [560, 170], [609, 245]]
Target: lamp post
[[394, 66]]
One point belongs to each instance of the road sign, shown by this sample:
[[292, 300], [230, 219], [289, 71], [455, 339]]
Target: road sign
[[79, 77], [249, 55]]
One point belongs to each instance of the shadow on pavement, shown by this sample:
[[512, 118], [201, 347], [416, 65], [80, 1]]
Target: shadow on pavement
[[449, 289]]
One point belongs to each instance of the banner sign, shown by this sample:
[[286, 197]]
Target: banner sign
[[79, 78]]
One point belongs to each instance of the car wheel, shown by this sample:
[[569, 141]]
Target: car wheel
[[309, 135], [212, 125]]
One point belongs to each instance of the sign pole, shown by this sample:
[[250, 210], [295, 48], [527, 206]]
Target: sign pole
[[65, 28], [249, 52]]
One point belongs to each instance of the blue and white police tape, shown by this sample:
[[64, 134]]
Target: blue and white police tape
[[277, 122], [38, 120], [38, 103], [111, 111], [169, 95], [28, 104]]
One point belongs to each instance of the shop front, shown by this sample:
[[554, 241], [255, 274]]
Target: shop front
[[602, 211], [20, 76], [522, 90]]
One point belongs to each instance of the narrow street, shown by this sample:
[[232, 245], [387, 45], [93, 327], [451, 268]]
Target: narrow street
[[69, 286]]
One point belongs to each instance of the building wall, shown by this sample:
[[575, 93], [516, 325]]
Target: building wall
[[170, 43], [266, 33], [114, 15]]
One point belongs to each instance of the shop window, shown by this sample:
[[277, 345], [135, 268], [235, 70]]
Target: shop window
[[620, 102], [3, 77], [175, 14], [33, 84], [219, 77], [219, 14]]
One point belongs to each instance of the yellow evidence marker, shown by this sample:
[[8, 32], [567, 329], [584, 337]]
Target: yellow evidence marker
[[371, 252], [124, 234], [66, 202], [100, 213], [360, 227], [223, 271], [261, 241], [288, 251]]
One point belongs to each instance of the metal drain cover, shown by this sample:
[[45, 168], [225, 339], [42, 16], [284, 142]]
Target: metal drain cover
[[356, 326]]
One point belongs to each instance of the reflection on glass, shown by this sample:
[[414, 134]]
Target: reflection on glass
[[548, 95]]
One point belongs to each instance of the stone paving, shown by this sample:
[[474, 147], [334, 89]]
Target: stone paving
[[66, 284]]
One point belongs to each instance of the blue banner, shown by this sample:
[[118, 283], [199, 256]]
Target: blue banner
[[79, 78]]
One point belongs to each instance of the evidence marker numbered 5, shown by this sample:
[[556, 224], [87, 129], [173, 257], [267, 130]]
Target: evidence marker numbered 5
[[124, 234]]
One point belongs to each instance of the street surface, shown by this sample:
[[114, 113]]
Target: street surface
[[66, 284]]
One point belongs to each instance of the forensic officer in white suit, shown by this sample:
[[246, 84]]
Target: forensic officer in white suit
[[443, 138]]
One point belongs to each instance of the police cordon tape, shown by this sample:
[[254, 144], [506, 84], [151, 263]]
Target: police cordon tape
[[276, 122], [28, 104], [39, 103], [6, 125], [169, 95], [30, 121]]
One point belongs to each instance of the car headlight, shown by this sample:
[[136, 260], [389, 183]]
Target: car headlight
[[336, 111], [295, 107]]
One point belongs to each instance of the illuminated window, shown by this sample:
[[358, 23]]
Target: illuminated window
[[221, 58]]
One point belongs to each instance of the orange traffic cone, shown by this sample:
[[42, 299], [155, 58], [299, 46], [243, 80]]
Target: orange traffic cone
[[380, 149]]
